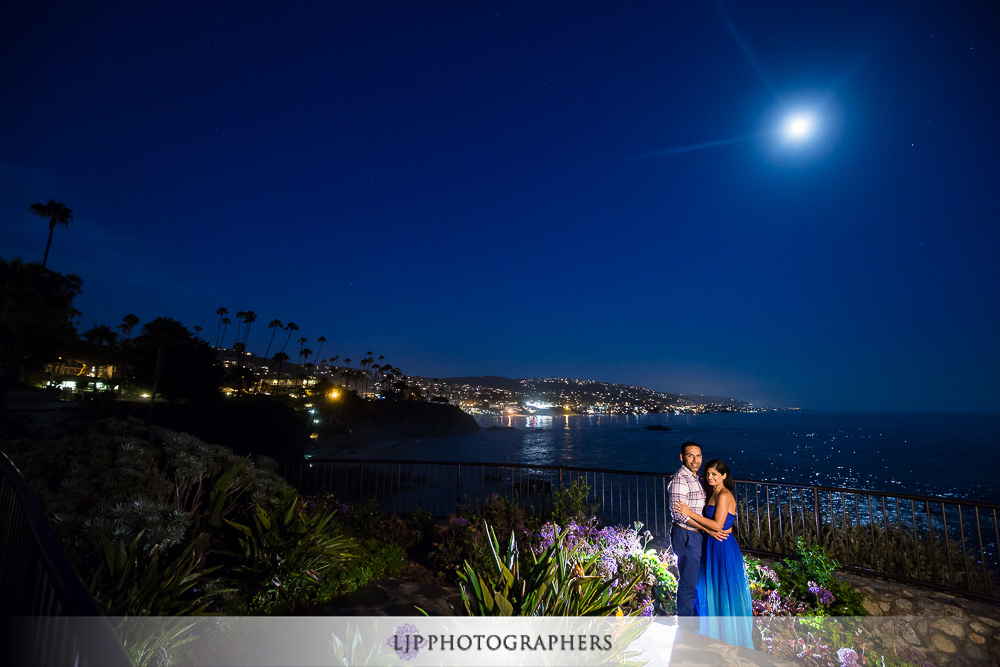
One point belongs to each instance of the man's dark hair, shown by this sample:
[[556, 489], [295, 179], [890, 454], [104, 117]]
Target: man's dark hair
[[689, 443]]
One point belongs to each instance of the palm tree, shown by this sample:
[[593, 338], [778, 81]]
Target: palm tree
[[57, 213], [273, 325], [290, 327], [100, 335], [225, 322], [303, 341], [320, 340], [346, 373], [197, 331], [128, 322], [280, 358], [249, 318], [220, 312], [303, 355], [240, 314]]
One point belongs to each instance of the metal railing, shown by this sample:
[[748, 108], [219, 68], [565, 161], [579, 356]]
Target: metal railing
[[941, 543], [41, 596]]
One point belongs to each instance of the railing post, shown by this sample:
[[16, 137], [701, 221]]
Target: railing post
[[458, 491], [819, 535]]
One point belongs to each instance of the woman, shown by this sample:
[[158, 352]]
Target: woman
[[723, 594]]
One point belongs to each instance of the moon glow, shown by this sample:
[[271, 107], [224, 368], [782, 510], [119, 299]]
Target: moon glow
[[799, 127]]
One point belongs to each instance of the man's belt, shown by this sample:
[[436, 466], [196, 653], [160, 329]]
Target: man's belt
[[685, 526]]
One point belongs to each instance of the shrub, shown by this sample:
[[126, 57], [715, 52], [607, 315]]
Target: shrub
[[571, 504], [809, 578], [465, 539], [376, 560], [281, 557]]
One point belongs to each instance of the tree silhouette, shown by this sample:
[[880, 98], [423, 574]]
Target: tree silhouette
[[290, 327], [57, 213], [273, 325], [101, 336], [220, 312], [128, 323], [176, 364], [240, 314], [249, 317], [320, 340], [36, 317], [225, 325], [280, 358]]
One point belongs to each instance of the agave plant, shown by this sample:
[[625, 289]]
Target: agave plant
[[547, 586]]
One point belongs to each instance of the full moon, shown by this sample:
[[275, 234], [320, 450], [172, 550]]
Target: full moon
[[799, 127]]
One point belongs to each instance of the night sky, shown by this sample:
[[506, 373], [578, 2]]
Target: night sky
[[598, 190]]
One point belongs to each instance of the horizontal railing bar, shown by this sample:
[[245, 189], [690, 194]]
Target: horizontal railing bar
[[645, 473]]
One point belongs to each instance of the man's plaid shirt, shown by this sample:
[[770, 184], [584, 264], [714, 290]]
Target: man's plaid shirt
[[685, 487]]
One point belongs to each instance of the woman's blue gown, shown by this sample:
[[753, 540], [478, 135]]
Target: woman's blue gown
[[723, 594]]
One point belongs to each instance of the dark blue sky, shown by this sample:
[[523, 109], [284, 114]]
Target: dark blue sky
[[496, 188]]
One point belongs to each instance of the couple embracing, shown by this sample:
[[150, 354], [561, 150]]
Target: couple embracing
[[712, 581]]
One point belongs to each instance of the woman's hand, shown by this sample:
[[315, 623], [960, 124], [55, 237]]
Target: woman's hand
[[683, 509]]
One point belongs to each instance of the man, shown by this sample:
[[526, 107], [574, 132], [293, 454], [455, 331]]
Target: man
[[685, 536]]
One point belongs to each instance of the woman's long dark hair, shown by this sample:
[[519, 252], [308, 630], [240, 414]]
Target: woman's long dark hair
[[721, 467]]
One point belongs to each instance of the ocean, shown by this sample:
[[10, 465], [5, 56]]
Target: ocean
[[944, 455]]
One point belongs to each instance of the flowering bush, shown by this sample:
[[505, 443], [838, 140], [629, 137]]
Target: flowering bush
[[619, 555], [760, 577]]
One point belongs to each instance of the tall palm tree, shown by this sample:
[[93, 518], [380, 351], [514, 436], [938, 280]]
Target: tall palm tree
[[347, 372], [225, 325], [303, 355], [273, 325], [197, 331], [249, 317], [220, 312], [279, 358], [290, 327], [320, 340], [303, 341], [57, 213], [240, 314], [128, 322]]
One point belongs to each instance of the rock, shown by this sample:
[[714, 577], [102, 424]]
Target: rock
[[904, 605], [977, 656], [872, 608], [977, 639], [954, 612], [990, 621], [923, 627], [929, 605], [943, 644], [907, 633], [886, 606], [949, 626], [979, 627]]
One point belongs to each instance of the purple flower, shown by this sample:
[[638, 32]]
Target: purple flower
[[823, 596], [346, 510], [847, 657], [458, 522]]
